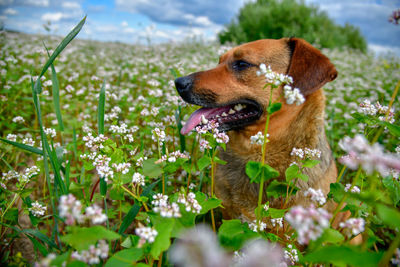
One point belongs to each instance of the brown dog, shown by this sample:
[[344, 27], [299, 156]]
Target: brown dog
[[234, 81]]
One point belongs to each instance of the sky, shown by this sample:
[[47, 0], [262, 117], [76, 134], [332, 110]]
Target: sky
[[143, 21]]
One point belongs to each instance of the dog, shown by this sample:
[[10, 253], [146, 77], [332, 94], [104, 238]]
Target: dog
[[235, 81]]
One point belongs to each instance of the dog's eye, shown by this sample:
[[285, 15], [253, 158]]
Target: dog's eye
[[240, 65]]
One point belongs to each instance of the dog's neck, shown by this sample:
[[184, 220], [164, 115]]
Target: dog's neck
[[293, 126]]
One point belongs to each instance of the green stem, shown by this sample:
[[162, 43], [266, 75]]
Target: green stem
[[212, 186], [341, 173], [339, 206]]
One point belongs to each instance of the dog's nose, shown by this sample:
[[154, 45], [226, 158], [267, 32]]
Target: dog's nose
[[184, 84]]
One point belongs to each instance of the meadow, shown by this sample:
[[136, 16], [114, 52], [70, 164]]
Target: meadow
[[94, 170]]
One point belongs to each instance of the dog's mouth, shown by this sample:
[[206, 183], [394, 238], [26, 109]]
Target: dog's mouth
[[229, 117]]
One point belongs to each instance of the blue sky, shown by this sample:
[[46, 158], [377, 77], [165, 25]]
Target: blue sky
[[167, 20]]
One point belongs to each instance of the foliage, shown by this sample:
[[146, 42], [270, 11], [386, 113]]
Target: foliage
[[273, 19]]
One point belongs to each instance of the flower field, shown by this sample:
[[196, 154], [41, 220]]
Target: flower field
[[94, 170]]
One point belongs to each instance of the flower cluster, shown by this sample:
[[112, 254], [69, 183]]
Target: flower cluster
[[102, 164], [94, 143], [315, 195], [190, 202], [71, 209], [158, 135], [138, 179], [353, 226], [121, 167], [277, 222], [396, 259], [204, 144], [355, 189], [148, 234], [258, 138], [124, 131], [370, 157], [37, 209], [212, 126], [93, 254], [173, 156], [292, 95], [162, 206], [18, 119], [308, 222], [291, 255], [306, 153], [377, 110], [50, 132], [260, 226]]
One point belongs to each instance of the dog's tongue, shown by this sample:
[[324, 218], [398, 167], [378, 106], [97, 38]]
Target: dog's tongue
[[195, 118]]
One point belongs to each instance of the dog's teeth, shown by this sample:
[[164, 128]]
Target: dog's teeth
[[203, 119], [238, 107], [217, 116], [224, 114], [231, 111]]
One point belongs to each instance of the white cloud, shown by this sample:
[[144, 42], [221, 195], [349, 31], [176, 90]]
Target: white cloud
[[384, 49], [39, 3], [71, 5], [10, 11], [124, 24], [53, 17]]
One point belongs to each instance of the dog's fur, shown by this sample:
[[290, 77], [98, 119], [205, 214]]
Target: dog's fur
[[292, 126]]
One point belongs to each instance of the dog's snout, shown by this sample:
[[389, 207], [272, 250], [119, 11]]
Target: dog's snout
[[184, 84]]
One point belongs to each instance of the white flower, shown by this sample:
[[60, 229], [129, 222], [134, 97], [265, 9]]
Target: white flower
[[291, 255], [258, 138], [204, 144], [18, 119], [190, 202], [293, 96], [148, 234], [122, 167], [138, 179], [158, 135], [315, 195], [37, 209], [277, 221], [71, 209], [353, 226], [93, 254], [50, 132], [355, 189], [257, 226], [12, 137]]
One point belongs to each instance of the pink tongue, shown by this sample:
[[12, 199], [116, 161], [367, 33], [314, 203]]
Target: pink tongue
[[195, 118]]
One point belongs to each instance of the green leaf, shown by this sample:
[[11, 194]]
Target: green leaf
[[101, 108], [269, 172], [151, 169], [274, 107], [336, 192], [292, 172], [44, 238], [303, 177], [207, 204], [233, 234], [11, 216], [23, 146], [203, 162], [310, 163], [220, 161], [81, 238], [164, 228], [58, 50], [103, 187], [393, 188], [393, 128], [253, 169], [56, 95], [390, 216], [125, 258], [42, 249], [343, 255], [276, 213], [331, 236]]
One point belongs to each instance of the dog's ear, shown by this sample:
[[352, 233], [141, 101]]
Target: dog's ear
[[309, 68]]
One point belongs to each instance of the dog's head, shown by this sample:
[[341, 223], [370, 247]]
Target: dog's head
[[234, 95]]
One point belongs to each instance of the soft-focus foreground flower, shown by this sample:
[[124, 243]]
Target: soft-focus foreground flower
[[370, 157], [308, 222], [93, 254], [198, 247], [353, 226], [71, 209]]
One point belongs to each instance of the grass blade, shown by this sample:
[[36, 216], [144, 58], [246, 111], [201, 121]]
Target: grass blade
[[58, 50], [56, 97], [23, 146], [100, 109]]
